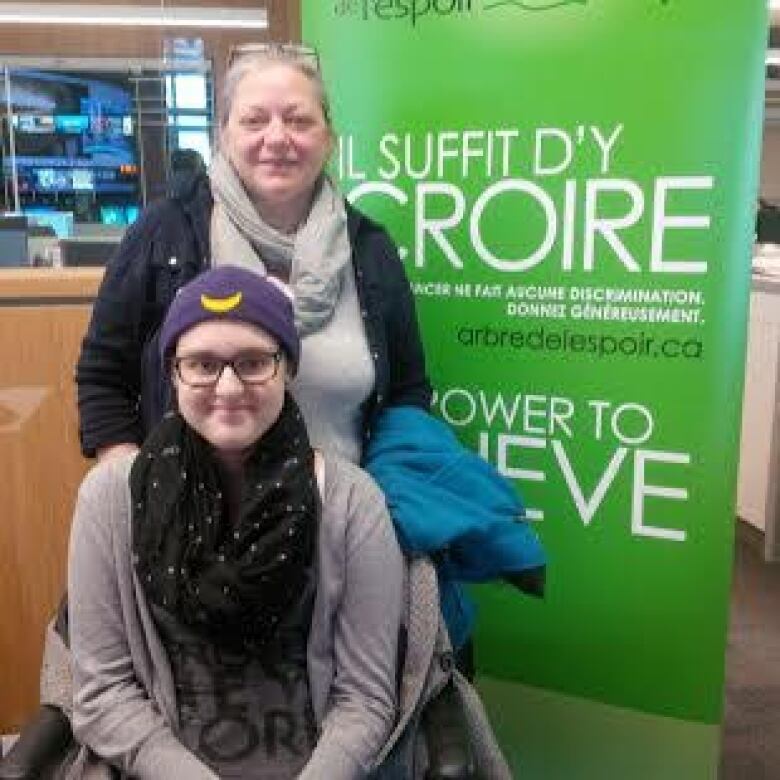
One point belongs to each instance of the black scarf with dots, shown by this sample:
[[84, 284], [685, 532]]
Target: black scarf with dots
[[232, 582]]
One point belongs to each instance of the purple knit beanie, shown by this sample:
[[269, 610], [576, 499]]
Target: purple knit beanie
[[232, 293]]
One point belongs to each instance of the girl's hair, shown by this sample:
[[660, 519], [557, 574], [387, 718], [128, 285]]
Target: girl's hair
[[256, 57]]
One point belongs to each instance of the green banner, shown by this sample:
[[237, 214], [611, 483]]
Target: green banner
[[572, 184]]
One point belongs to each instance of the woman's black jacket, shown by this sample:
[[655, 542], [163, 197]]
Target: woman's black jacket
[[121, 390]]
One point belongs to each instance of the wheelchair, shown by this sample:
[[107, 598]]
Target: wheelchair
[[46, 747]]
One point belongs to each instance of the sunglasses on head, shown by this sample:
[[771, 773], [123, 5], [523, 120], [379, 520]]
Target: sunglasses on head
[[293, 51]]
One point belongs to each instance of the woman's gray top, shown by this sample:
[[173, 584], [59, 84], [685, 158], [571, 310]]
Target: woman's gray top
[[336, 376]]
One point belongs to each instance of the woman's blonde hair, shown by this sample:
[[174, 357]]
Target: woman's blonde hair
[[255, 57]]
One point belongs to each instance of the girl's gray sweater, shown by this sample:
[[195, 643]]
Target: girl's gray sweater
[[124, 705]]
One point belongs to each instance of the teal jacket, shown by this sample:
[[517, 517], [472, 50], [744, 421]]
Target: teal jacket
[[449, 503]]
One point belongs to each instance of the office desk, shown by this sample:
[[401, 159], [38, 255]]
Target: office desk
[[43, 315], [758, 496]]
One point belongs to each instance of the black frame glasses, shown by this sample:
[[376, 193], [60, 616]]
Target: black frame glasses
[[191, 380], [293, 51]]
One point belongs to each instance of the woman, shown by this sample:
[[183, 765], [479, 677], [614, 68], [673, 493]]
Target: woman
[[266, 205], [223, 622]]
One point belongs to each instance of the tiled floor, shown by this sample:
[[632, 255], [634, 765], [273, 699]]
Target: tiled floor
[[751, 731]]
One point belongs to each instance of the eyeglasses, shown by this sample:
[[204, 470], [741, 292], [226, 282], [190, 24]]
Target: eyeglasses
[[254, 368], [293, 51]]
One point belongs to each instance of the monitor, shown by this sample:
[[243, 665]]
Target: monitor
[[768, 224], [60, 221], [13, 241], [87, 251], [121, 214], [112, 215]]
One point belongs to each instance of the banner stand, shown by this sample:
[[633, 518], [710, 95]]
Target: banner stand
[[572, 186]]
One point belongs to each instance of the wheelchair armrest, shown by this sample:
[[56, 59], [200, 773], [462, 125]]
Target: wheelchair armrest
[[42, 741], [449, 756]]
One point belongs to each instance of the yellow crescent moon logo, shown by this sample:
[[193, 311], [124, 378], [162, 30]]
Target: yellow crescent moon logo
[[220, 305]]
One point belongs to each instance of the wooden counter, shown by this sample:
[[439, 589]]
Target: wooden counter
[[43, 316]]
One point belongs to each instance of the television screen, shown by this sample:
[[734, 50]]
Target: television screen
[[73, 132]]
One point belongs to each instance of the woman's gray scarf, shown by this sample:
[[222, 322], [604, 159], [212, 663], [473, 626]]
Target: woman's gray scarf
[[313, 261]]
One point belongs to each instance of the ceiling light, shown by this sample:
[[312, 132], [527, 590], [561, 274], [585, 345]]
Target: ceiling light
[[133, 15]]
